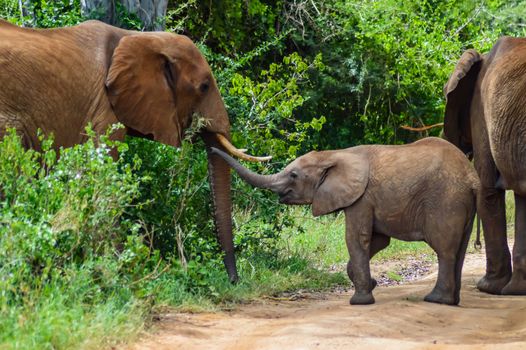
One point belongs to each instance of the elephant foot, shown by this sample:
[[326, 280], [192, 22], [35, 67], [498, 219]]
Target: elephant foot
[[440, 298], [492, 285], [516, 286], [373, 284], [362, 299]]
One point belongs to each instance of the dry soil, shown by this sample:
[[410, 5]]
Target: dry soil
[[399, 319]]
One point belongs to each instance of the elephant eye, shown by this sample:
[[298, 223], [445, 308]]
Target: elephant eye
[[204, 87], [293, 175]]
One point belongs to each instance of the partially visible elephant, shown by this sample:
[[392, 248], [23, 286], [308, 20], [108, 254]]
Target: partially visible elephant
[[59, 80], [486, 115], [424, 191]]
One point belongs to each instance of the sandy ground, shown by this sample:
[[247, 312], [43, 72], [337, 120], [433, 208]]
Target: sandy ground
[[399, 319]]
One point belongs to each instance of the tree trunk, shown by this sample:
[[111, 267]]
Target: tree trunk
[[25, 12], [103, 10], [150, 12]]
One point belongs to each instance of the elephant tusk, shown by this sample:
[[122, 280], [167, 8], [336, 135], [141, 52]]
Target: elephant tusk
[[239, 153]]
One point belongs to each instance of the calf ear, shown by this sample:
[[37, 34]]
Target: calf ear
[[342, 183]]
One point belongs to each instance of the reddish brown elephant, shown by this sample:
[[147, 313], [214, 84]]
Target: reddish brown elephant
[[486, 115], [59, 80]]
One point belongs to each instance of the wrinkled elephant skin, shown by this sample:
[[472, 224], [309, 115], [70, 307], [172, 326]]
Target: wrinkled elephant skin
[[486, 115]]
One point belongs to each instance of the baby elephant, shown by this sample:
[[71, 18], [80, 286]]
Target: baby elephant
[[423, 191]]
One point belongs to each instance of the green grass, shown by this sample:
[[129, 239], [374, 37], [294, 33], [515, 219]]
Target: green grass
[[510, 209], [323, 241], [59, 316]]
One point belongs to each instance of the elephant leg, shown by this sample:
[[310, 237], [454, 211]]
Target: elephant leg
[[378, 242], [444, 290], [517, 284], [358, 233], [461, 254], [491, 208]]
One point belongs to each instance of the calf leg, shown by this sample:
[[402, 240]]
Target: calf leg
[[378, 242], [444, 291], [460, 260], [358, 233]]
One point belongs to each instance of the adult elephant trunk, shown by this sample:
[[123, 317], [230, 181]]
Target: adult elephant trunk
[[271, 182], [220, 183], [219, 177], [217, 135]]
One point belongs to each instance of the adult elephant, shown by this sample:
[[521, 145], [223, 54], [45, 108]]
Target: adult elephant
[[486, 114], [59, 80]]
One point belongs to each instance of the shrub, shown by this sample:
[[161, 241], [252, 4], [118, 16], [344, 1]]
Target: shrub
[[60, 213]]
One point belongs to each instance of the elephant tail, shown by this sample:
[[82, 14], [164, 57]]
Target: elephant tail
[[477, 243], [476, 189]]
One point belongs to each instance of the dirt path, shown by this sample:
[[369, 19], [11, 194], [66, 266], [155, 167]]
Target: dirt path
[[398, 320]]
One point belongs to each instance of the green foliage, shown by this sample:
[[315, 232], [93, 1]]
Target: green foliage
[[62, 232], [231, 27], [386, 61], [264, 110], [126, 19], [58, 211], [42, 13], [9, 10], [175, 192]]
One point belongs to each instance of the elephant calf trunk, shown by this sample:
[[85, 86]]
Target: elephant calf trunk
[[256, 180]]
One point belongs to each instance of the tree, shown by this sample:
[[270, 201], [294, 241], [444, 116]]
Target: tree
[[150, 12]]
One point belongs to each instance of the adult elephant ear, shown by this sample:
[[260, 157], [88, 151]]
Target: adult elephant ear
[[141, 88], [459, 92], [343, 182]]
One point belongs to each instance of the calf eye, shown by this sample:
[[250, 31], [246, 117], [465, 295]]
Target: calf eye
[[293, 175], [204, 87]]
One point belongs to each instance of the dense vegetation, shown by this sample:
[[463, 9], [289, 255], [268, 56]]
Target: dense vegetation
[[89, 246]]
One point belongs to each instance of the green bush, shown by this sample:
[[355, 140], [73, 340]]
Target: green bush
[[386, 61], [57, 212]]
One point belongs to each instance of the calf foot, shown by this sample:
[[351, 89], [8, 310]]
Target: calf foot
[[492, 285], [372, 284], [362, 299], [441, 298]]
